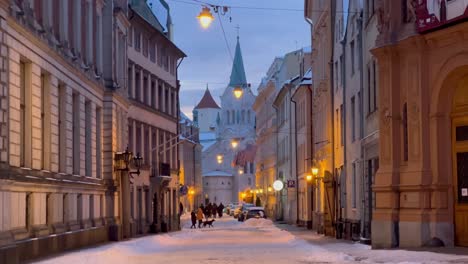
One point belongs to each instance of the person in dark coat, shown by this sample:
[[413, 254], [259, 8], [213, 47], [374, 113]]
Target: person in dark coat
[[220, 210], [214, 210], [193, 217], [207, 211]]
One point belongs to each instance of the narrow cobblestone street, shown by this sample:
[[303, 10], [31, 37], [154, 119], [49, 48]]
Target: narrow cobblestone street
[[256, 241]]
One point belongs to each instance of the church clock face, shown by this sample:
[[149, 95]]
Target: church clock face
[[432, 14]]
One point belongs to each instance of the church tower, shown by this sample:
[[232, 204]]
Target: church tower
[[237, 118], [206, 113]]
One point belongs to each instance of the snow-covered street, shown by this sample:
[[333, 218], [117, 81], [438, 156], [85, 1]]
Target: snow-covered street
[[256, 241]]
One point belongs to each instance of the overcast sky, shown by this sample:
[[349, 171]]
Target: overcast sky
[[264, 34]]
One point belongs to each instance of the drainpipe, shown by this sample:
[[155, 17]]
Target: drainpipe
[[290, 151], [361, 117], [276, 163], [332, 115], [343, 213]]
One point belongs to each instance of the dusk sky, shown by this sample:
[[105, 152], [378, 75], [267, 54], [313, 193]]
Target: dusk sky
[[264, 35]]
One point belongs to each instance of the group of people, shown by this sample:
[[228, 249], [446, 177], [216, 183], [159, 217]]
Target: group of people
[[208, 211]]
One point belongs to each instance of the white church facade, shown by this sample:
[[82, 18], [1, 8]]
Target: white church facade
[[227, 133]]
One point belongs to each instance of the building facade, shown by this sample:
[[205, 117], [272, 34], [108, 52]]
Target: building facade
[[265, 157], [153, 117], [420, 187], [322, 38], [66, 112], [190, 178]]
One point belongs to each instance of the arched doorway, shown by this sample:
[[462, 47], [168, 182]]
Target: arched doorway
[[460, 160]]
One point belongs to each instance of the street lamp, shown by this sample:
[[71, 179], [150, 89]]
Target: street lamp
[[123, 159], [269, 189], [278, 185], [315, 171], [205, 17], [309, 178], [238, 91], [241, 171], [234, 143]]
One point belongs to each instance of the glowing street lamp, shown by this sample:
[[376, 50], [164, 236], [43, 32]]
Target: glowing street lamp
[[309, 178], [278, 185], [315, 171], [191, 192], [238, 91], [234, 143], [205, 17], [241, 171], [269, 189]]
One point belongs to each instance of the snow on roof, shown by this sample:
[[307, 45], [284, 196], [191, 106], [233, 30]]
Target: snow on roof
[[217, 173], [307, 49], [307, 79]]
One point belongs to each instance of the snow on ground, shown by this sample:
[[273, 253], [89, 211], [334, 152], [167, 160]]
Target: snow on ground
[[255, 241]]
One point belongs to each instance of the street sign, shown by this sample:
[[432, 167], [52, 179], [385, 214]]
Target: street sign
[[291, 184]]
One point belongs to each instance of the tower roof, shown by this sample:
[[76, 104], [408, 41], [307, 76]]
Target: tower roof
[[238, 71], [207, 101]]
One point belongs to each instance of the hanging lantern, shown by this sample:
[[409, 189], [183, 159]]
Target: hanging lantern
[[205, 17]]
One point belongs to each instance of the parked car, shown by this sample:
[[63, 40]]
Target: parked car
[[255, 212], [242, 211], [230, 208]]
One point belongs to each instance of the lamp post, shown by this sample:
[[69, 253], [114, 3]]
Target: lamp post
[[122, 164], [205, 17]]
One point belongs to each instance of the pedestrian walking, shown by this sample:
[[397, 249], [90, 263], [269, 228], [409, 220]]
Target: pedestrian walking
[[220, 210], [200, 217], [214, 210], [207, 212], [193, 217]]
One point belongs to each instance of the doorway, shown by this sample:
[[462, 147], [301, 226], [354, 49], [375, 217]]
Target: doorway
[[460, 162]]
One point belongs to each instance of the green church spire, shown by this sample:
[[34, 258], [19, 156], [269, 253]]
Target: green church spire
[[238, 72]]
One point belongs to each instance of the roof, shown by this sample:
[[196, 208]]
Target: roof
[[246, 155], [307, 78], [207, 101], [238, 71], [142, 9], [217, 174]]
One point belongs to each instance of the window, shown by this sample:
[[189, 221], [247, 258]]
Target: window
[[352, 57], [129, 83], [160, 92], [91, 209], [88, 171], [243, 116], [354, 186], [79, 207], [153, 94], [23, 129], [166, 101], [137, 40], [405, 132], [62, 127], [336, 75], [342, 70], [98, 143], [248, 116], [353, 119], [152, 52], [45, 122], [76, 133], [342, 120], [146, 155], [249, 181], [137, 86], [145, 46], [145, 99], [130, 136], [138, 138]]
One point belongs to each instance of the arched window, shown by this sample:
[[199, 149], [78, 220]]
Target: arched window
[[228, 118], [243, 116], [233, 117], [405, 132], [238, 116], [248, 116]]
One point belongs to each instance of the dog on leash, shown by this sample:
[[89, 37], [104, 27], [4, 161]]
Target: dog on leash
[[208, 223]]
